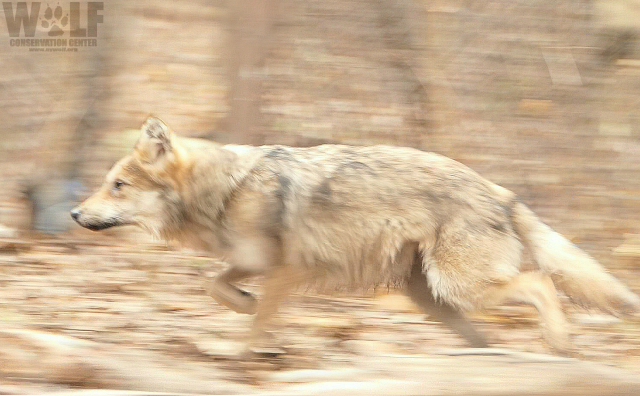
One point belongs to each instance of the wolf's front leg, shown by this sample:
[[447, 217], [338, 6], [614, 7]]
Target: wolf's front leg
[[279, 283], [221, 289]]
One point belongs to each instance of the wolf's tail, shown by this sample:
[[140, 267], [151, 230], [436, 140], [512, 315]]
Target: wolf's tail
[[573, 271]]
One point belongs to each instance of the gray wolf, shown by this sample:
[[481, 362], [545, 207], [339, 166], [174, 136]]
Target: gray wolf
[[354, 217]]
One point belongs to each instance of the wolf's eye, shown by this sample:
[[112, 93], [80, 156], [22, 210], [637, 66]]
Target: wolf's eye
[[118, 184]]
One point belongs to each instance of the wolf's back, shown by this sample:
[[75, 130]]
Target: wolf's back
[[573, 271]]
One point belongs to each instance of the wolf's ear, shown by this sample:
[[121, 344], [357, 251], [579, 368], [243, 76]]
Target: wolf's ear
[[156, 141]]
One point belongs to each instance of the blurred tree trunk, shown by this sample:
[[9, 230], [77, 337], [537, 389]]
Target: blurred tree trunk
[[55, 190], [251, 23]]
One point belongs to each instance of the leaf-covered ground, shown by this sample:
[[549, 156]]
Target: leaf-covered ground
[[88, 313]]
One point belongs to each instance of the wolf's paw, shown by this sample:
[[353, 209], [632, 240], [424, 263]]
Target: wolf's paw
[[231, 297], [53, 19], [262, 344], [260, 351]]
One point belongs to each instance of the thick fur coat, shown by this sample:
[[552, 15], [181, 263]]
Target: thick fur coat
[[349, 216]]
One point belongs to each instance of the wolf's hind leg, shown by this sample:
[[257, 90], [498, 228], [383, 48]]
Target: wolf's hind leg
[[537, 289], [221, 289], [419, 291]]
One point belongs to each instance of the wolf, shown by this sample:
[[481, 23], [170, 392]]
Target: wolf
[[351, 217]]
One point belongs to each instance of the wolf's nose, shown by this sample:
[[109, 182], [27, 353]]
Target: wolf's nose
[[75, 213]]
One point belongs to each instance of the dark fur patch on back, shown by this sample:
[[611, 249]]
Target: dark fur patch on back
[[356, 166], [274, 222], [498, 226], [503, 220], [322, 194], [280, 153], [284, 188], [509, 210], [435, 198]]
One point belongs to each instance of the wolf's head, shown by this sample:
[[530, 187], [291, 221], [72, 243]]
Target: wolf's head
[[142, 188]]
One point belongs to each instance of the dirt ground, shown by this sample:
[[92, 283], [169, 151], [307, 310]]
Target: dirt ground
[[89, 314]]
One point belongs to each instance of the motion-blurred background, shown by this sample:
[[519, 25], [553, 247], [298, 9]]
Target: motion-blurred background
[[539, 96]]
